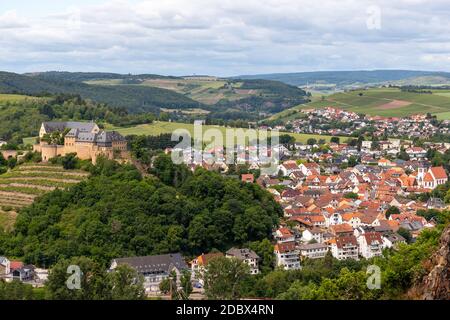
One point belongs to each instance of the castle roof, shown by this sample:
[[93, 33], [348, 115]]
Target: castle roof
[[61, 126]]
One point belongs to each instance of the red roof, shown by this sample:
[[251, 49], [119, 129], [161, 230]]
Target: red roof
[[439, 172], [372, 236], [346, 241], [14, 265], [248, 177], [285, 246]]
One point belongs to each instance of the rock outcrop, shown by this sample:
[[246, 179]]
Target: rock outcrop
[[435, 285]]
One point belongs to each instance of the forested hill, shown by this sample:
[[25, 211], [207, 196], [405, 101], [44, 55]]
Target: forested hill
[[117, 213], [134, 98], [89, 76]]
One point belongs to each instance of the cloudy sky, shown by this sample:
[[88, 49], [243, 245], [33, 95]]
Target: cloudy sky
[[223, 37]]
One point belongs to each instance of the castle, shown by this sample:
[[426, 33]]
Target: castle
[[83, 138]]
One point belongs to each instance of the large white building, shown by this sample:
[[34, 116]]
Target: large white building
[[345, 247], [287, 256], [370, 244]]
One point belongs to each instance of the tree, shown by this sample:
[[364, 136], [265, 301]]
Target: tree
[[351, 195], [335, 140], [186, 283], [405, 234], [125, 283], [311, 141], [15, 290], [69, 161], [392, 210], [264, 249], [223, 278]]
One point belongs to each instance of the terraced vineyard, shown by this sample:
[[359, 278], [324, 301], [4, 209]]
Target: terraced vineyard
[[20, 186]]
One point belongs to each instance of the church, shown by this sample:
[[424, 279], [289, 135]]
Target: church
[[83, 138]]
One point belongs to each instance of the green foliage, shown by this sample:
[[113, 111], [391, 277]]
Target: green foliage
[[405, 234], [124, 283], [15, 290], [223, 278], [134, 98], [351, 195], [117, 213], [264, 249], [392, 210], [23, 118]]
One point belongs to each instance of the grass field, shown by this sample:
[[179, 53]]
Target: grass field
[[204, 91], [20, 186], [388, 102], [157, 128], [12, 97]]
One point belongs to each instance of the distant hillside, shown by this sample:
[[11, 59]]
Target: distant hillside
[[344, 78], [89, 76], [389, 102], [133, 98], [225, 98]]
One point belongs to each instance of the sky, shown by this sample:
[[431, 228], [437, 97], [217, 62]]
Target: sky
[[225, 37]]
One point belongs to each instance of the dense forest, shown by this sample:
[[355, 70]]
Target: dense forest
[[117, 213], [23, 119]]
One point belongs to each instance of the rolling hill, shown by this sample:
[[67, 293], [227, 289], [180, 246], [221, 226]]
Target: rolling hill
[[223, 98], [381, 101], [353, 78], [133, 98]]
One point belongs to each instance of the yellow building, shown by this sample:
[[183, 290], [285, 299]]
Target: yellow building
[[83, 138]]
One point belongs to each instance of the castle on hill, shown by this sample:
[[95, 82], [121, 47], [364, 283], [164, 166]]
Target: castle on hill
[[83, 138]]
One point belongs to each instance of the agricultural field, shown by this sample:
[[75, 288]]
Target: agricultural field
[[205, 91], [160, 127], [388, 102], [20, 186], [12, 97]]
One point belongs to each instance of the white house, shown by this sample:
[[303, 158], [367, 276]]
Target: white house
[[345, 247], [313, 250], [432, 178], [287, 256], [313, 234], [5, 266], [392, 240], [246, 255], [370, 244]]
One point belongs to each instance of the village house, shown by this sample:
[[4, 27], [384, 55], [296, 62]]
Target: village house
[[313, 250], [154, 269], [246, 255], [344, 247], [287, 255], [5, 267], [431, 178], [370, 244], [199, 264]]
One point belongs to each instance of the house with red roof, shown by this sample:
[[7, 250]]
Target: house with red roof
[[432, 178], [344, 247], [370, 244]]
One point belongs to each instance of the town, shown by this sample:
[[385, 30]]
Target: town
[[340, 122], [345, 199]]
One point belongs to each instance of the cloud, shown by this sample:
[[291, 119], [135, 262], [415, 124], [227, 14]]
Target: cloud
[[229, 37]]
